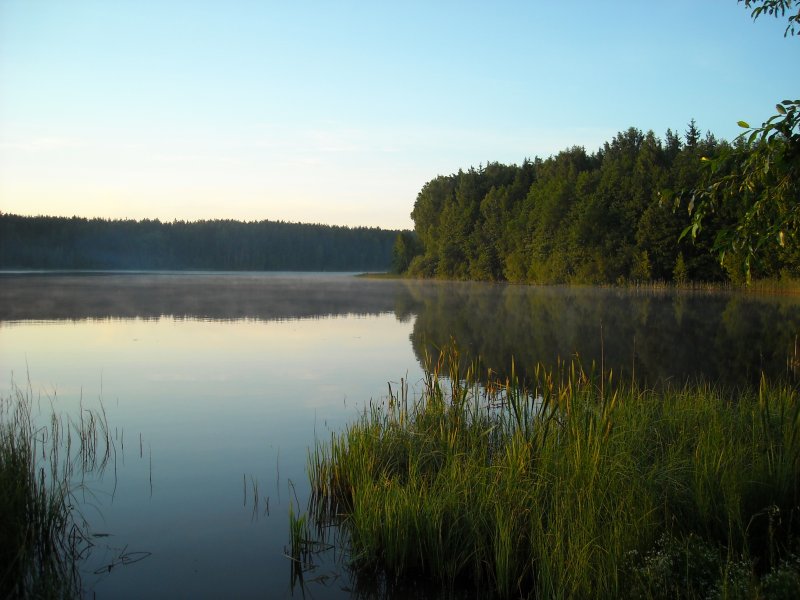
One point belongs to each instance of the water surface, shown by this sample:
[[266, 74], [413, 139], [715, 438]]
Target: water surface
[[217, 384]]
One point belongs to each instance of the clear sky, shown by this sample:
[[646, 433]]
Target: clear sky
[[338, 112]]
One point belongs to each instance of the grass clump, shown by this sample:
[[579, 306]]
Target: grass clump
[[41, 535], [573, 487]]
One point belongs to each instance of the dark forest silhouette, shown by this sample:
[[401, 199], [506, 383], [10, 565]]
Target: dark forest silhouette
[[79, 243]]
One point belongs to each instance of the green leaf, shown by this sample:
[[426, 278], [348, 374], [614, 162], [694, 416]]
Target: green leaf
[[743, 124], [780, 109]]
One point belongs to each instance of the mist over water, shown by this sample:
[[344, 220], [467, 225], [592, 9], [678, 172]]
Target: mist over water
[[274, 296], [655, 335], [217, 384]]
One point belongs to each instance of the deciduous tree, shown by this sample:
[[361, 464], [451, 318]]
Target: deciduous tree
[[758, 177]]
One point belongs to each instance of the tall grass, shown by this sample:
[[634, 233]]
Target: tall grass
[[575, 487], [41, 534]]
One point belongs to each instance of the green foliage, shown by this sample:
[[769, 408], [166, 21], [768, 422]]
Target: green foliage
[[777, 9], [641, 271], [573, 487], [783, 581], [692, 134], [757, 181], [582, 218], [406, 248], [77, 243], [679, 273]]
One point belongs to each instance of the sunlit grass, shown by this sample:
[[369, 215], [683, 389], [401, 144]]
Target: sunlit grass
[[575, 487]]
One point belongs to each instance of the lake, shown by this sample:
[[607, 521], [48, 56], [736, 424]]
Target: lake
[[216, 385]]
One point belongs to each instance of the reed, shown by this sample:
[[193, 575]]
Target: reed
[[577, 486], [42, 534], [784, 285]]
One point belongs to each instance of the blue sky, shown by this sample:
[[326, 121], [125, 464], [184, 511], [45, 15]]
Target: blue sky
[[339, 112]]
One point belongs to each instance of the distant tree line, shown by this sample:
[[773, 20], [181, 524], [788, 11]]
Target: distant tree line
[[577, 217], [78, 243]]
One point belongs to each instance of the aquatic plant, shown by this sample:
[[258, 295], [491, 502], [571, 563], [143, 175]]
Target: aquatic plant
[[43, 535], [576, 486]]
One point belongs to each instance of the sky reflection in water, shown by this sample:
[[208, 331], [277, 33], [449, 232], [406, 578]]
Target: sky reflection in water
[[216, 402]]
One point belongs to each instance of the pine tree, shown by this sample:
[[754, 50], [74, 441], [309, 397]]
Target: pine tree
[[692, 135]]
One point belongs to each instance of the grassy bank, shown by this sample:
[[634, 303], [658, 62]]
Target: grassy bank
[[41, 534], [577, 487]]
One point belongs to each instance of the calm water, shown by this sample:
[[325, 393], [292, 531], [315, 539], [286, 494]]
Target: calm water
[[216, 385]]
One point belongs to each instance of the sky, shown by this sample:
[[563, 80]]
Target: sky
[[339, 112]]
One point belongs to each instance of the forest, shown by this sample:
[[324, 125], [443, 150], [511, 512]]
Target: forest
[[77, 243], [616, 215]]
